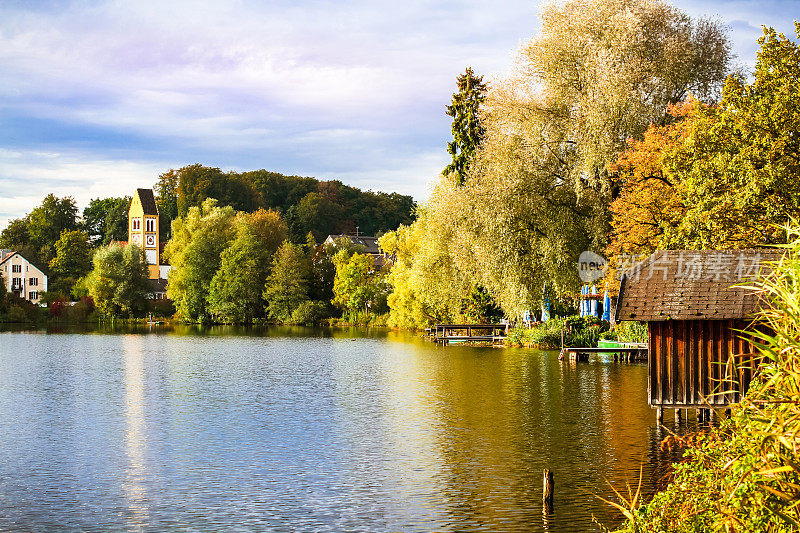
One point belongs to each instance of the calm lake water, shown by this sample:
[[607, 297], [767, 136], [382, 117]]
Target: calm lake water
[[307, 430]]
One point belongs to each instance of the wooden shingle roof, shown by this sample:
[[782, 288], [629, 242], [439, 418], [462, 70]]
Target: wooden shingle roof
[[692, 285]]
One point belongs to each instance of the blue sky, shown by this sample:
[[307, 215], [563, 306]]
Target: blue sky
[[99, 97]]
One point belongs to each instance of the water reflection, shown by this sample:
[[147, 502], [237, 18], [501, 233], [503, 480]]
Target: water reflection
[[314, 430], [134, 484]]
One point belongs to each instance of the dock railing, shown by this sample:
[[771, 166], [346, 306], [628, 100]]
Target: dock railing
[[447, 333]]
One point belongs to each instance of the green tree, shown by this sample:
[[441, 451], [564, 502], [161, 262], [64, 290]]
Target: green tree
[[236, 289], [106, 219], [467, 128], [48, 220], [195, 251], [357, 287], [118, 281], [479, 306], [287, 285], [166, 193], [318, 214], [73, 260], [196, 183], [15, 235]]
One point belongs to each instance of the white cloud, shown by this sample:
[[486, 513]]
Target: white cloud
[[36, 174], [98, 97]]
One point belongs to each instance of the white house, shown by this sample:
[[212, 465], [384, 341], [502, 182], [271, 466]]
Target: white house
[[22, 277]]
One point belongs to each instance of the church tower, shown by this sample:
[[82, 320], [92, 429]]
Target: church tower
[[143, 228]]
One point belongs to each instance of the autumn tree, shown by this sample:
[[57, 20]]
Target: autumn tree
[[738, 167], [649, 203], [467, 129], [720, 176]]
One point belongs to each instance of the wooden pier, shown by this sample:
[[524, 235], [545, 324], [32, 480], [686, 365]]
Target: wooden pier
[[488, 333], [622, 353]]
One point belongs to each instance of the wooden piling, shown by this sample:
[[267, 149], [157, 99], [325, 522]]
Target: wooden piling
[[547, 491], [677, 416], [659, 415]]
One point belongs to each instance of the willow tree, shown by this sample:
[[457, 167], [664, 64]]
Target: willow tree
[[427, 287], [539, 189]]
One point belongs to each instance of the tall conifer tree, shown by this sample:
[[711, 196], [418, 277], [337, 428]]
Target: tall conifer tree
[[467, 129]]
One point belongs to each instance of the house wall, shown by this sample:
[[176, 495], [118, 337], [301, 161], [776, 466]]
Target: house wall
[[29, 282], [691, 361]]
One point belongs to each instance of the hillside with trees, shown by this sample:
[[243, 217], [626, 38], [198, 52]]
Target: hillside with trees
[[308, 205]]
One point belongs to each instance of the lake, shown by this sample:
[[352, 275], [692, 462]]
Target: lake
[[292, 429]]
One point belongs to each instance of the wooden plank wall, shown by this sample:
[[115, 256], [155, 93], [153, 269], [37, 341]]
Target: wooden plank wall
[[691, 362]]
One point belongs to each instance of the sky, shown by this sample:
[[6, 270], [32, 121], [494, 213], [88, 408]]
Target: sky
[[98, 97]]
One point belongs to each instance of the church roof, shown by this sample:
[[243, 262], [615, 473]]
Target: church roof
[[148, 201]]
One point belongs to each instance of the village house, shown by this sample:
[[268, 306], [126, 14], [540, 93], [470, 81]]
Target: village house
[[22, 277], [697, 355], [370, 245]]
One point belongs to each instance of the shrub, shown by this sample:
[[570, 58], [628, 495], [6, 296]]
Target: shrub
[[311, 312], [56, 307], [17, 314], [632, 331]]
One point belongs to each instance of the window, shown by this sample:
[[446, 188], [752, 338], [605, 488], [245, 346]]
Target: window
[[151, 224], [33, 295], [16, 268], [16, 283], [33, 282], [137, 223]]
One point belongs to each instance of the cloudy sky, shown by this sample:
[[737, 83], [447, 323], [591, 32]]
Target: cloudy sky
[[99, 97]]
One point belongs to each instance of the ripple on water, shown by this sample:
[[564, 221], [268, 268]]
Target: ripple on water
[[272, 430]]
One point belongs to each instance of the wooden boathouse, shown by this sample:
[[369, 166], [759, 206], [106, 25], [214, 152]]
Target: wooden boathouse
[[698, 357]]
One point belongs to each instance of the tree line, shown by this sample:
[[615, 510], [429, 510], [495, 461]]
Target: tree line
[[307, 205], [239, 267], [625, 130], [262, 210]]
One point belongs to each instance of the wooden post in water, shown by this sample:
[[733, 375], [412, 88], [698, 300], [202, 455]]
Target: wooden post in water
[[659, 415], [547, 492], [677, 416]]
